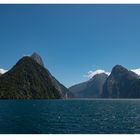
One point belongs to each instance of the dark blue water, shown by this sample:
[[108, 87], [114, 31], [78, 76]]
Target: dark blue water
[[70, 117]]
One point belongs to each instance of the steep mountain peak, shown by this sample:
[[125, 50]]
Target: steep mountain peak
[[28, 80], [119, 82], [118, 69], [35, 56]]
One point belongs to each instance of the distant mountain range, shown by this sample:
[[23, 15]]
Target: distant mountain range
[[121, 83], [28, 79]]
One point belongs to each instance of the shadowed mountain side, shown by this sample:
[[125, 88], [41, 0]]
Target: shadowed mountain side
[[65, 93], [27, 80], [121, 83], [91, 88]]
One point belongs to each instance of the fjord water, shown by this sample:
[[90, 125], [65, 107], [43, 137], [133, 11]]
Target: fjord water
[[70, 116]]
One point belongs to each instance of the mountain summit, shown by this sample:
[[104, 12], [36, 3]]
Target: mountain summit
[[28, 79], [121, 83], [37, 58]]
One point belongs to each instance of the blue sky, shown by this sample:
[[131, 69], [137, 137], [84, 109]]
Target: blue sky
[[72, 39]]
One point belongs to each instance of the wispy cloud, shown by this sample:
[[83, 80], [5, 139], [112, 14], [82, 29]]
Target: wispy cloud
[[91, 73], [2, 71]]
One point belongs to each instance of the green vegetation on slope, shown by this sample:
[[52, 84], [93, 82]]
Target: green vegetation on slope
[[27, 80]]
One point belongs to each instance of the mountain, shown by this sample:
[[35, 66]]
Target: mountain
[[121, 83], [91, 88], [30, 80], [65, 93], [37, 58]]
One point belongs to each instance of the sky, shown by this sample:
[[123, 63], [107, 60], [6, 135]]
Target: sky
[[71, 39]]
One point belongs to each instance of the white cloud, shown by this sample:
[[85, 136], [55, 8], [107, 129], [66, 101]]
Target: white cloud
[[91, 73], [2, 71], [26, 54], [137, 71]]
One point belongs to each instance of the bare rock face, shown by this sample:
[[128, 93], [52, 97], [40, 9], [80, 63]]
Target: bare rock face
[[37, 58]]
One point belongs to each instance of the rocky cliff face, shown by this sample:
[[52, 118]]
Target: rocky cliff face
[[90, 89], [121, 84]]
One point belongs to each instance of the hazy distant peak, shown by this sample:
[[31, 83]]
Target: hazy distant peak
[[37, 58]]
